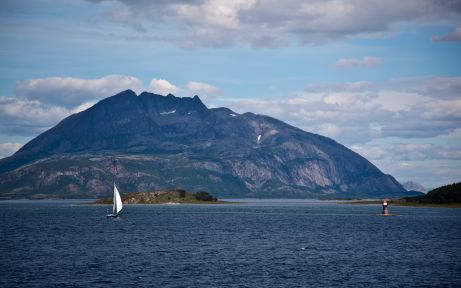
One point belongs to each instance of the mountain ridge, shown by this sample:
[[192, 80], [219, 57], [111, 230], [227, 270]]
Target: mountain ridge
[[414, 186], [180, 143]]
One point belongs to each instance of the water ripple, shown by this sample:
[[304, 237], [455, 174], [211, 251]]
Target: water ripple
[[289, 244]]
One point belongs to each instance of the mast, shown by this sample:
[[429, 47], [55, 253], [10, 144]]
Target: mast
[[115, 202]]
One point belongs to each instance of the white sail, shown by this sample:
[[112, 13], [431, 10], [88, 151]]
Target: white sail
[[118, 204]]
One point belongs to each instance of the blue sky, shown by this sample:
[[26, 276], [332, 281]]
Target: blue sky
[[381, 77]]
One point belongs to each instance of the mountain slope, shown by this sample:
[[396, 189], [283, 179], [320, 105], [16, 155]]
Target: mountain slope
[[413, 186], [165, 142]]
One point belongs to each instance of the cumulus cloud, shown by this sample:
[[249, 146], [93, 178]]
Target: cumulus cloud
[[70, 92], [454, 36], [267, 23], [24, 117], [197, 87], [162, 87], [207, 92], [7, 149], [366, 61]]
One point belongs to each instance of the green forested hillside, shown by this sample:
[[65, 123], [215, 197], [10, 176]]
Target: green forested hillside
[[444, 194]]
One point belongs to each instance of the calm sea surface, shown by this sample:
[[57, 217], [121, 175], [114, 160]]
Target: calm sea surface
[[277, 243]]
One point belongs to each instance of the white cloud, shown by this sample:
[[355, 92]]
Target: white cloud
[[82, 107], [7, 149], [371, 152], [408, 152], [366, 61], [202, 88], [395, 101], [329, 130], [268, 23], [442, 109], [28, 117], [214, 13], [162, 87], [454, 36], [207, 92], [71, 92]]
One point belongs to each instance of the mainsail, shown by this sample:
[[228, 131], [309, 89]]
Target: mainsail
[[118, 205]]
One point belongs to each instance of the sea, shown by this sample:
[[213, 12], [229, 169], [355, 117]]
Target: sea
[[256, 243]]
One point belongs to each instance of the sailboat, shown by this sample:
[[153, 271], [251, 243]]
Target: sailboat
[[117, 203]]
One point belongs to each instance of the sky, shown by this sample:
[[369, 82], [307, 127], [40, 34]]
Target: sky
[[380, 77]]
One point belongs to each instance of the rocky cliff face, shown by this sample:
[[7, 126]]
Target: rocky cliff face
[[163, 142]]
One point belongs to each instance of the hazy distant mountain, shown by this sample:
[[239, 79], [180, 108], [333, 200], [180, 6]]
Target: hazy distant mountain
[[164, 142], [413, 186]]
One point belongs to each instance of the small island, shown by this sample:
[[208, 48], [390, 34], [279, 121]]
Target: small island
[[174, 196]]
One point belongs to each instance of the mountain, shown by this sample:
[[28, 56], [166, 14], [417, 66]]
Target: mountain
[[162, 142], [413, 186]]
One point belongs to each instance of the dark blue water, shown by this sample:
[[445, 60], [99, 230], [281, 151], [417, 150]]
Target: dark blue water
[[260, 244]]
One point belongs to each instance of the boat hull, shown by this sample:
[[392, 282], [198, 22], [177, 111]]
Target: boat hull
[[111, 215]]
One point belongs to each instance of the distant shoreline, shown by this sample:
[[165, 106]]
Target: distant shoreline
[[93, 201], [403, 203]]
